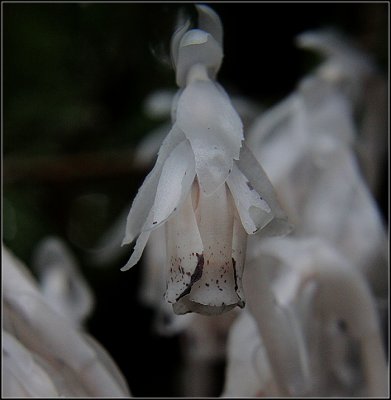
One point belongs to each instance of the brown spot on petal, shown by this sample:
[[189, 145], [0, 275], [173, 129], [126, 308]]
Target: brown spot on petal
[[250, 186], [235, 274], [196, 275]]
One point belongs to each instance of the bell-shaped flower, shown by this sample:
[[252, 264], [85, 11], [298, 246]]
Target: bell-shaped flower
[[206, 187]]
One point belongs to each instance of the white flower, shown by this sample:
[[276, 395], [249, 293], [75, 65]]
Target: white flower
[[289, 341], [44, 355], [206, 187], [354, 73], [61, 281], [306, 144]]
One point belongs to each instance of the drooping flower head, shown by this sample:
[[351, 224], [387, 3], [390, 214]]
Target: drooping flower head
[[206, 186]]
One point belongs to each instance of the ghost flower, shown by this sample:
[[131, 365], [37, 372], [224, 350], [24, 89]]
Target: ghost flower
[[354, 72], [44, 354], [206, 187], [61, 280]]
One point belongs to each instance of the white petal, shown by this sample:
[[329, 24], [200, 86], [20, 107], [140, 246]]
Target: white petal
[[98, 376], [24, 373], [48, 336], [174, 185], [197, 47], [215, 291], [138, 249], [214, 130], [253, 210], [282, 335], [184, 251], [175, 40], [146, 194], [275, 133], [61, 281], [239, 244], [258, 179], [327, 113], [210, 22], [248, 369]]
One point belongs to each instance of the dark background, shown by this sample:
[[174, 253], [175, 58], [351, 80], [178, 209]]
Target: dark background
[[74, 80]]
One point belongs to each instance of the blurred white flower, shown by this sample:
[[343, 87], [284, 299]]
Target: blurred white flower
[[306, 144], [61, 282], [206, 187], [247, 372], [44, 355], [355, 74], [309, 300]]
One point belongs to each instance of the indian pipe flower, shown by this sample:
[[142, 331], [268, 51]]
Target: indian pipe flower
[[206, 186]]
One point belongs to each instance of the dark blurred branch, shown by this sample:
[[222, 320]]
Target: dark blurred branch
[[68, 167]]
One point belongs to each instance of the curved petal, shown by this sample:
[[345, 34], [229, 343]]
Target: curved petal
[[176, 39], [239, 247], [253, 210], [214, 292], [174, 184], [184, 252], [138, 248], [258, 179], [280, 333], [146, 194], [26, 377], [210, 22], [214, 130], [197, 47]]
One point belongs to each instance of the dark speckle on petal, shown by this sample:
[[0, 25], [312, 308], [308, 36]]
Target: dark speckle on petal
[[235, 274], [195, 277]]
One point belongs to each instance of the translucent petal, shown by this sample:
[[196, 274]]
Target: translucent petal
[[355, 227], [342, 294], [175, 40], [61, 281], [277, 132], [253, 210], [174, 184], [54, 342], [210, 22], [281, 334], [215, 290], [248, 370], [327, 113], [184, 252], [214, 130], [23, 370], [138, 248], [16, 277], [107, 362], [255, 174], [146, 194], [239, 244], [175, 181], [197, 47]]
